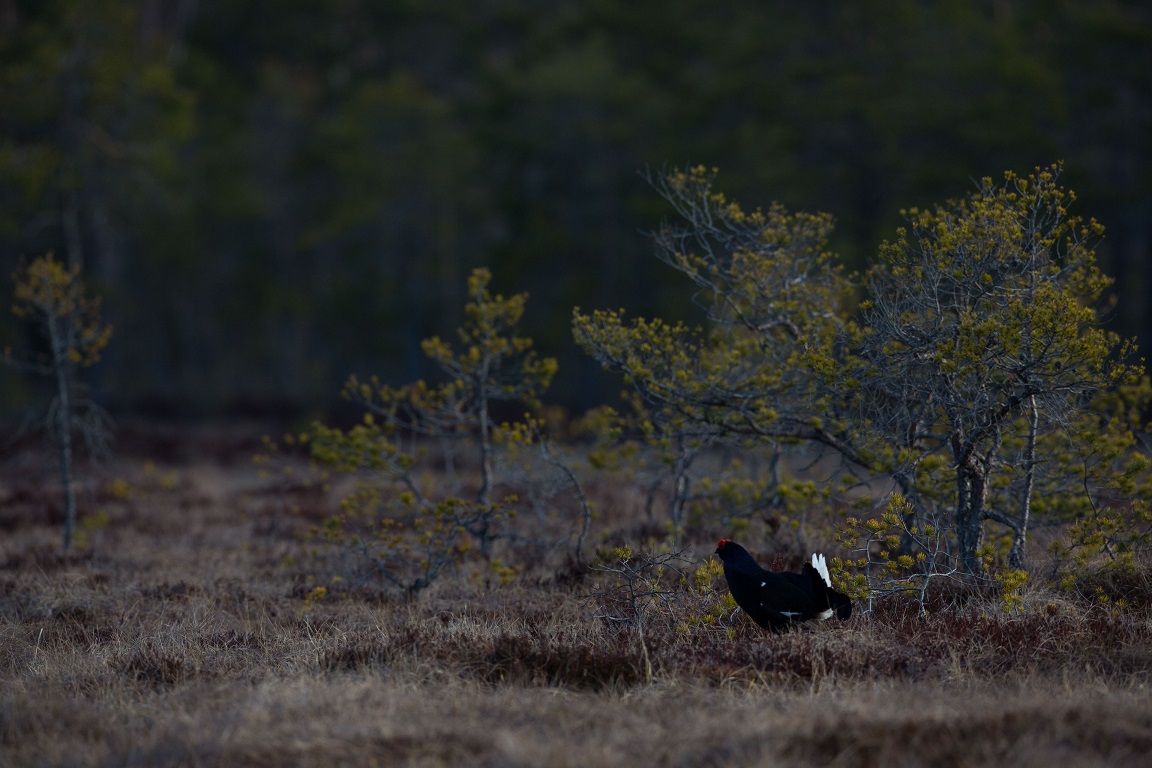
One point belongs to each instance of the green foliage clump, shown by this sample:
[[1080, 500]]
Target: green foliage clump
[[755, 376], [709, 604], [773, 296], [882, 548]]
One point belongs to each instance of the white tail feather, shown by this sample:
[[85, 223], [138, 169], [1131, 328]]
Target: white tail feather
[[821, 566]]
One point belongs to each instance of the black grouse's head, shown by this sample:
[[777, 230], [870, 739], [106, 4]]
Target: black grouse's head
[[729, 551], [736, 559]]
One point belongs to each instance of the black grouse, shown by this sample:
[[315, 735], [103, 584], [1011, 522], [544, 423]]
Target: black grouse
[[777, 600]]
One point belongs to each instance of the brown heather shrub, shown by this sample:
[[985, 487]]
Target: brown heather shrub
[[1023, 728], [191, 633]]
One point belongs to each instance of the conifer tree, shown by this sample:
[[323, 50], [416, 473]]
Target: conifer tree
[[52, 297]]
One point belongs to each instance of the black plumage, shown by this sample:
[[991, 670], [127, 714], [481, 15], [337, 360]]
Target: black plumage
[[778, 600]]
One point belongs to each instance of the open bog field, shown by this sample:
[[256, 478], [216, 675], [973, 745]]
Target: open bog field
[[187, 631]]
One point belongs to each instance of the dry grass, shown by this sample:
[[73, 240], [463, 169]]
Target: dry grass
[[180, 636]]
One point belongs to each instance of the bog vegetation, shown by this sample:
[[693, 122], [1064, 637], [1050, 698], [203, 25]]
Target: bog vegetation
[[954, 427], [960, 393]]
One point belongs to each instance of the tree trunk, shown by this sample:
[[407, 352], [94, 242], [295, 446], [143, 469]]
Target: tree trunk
[[484, 528], [971, 493], [680, 486], [1016, 555], [63, 426]]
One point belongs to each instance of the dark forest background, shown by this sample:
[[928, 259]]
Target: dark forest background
[[273, 195]]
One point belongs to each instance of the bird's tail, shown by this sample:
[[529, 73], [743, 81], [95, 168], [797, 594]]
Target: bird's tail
[[821, 566]]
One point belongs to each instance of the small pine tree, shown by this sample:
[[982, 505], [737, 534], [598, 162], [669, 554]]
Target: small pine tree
[[983, 336], [52, 297], [409, 526]]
